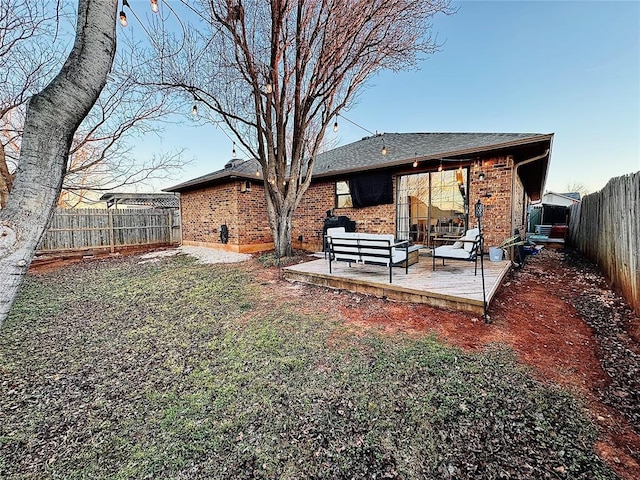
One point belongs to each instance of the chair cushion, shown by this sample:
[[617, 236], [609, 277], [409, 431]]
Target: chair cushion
[[471, 235], [398, 255], [459, 244], [450, 252]]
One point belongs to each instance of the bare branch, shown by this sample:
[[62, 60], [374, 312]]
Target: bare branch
[[29, 56], [31, 48], [277, 72]]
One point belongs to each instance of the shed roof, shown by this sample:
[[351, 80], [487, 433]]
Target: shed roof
[[403, 149]]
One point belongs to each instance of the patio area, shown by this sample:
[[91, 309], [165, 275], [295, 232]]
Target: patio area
[[452, 286]]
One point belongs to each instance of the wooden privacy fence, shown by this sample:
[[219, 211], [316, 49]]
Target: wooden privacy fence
[[605, 226], [85, 229]]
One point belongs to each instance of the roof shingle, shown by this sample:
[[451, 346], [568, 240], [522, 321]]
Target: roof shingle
[[365, 154]]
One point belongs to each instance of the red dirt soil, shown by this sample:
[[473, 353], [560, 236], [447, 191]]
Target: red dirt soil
[[532, 313]]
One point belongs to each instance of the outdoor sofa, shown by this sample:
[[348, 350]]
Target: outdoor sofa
[[367, 248]]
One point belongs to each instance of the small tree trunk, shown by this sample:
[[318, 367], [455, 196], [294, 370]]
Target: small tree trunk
[[281, 231], [53, 116], [6, 178]]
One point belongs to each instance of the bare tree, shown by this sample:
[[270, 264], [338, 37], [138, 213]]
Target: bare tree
[[278, 72], [28, 54], [6, 175], [53, 115], [577, 187], [100, 159], [28, 59]]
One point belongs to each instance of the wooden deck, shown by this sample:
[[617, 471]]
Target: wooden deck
[[453, 286]]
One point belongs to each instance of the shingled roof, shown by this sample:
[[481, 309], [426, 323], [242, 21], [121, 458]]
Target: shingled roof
[[236, 168], [402, 149]]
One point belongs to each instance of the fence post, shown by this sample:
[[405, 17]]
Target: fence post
[[170, 226], [112, 243]]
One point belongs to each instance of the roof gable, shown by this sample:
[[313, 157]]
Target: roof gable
[[236, 168]]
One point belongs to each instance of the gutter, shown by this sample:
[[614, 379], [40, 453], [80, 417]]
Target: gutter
[[513, 181]]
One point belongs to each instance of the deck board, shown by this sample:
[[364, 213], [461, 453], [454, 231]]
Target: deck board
[[452, 286]]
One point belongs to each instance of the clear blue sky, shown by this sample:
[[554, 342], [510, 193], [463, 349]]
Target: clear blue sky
[[566, 67]]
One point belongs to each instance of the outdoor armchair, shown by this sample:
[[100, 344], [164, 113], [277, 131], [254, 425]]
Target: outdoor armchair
[[468, 247]]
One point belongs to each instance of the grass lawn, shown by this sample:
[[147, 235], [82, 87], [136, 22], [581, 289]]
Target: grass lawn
[[173, 370]]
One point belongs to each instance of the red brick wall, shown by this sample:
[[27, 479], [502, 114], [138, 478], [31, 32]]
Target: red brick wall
[[253, 226], [204, 210], [320, 197], [497, 220], [309, 216]]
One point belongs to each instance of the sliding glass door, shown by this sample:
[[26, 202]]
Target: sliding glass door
[[432, 204]]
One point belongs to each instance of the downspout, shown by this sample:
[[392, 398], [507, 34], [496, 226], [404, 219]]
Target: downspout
[[515, 176]]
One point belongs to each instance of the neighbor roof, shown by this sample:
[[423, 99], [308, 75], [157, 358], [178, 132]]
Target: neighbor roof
[[156, 200], [573, 196], [403, 149]]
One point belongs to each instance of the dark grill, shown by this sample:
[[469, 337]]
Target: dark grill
[[340, 221]]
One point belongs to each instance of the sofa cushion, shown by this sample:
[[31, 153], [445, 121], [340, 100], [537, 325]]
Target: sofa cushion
[[368, 242], [347, 246], [364, 247], [334, 231]]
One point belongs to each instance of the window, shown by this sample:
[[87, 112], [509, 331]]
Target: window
[[343, 195]]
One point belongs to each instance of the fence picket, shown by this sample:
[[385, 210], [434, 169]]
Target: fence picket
[[605, 226], [82, 229]]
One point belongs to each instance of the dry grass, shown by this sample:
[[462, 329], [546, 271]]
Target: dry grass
[[112, 369]]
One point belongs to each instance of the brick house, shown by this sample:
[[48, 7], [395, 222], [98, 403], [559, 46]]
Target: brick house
[[425, 185]]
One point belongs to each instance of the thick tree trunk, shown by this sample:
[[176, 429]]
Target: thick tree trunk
[[53, 116], [281, 221], [282, 239]]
